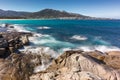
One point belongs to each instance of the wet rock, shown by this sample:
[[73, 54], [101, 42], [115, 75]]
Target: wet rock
[[13, 41], [3, 43], [12, 49], [2, 51], [1, 36], [11, 26], [25, 40]]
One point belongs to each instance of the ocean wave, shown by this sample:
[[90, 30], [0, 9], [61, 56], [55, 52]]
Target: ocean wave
[[39, 35], [78, 37], [40, 51], [20, 28], [48, 40], [101, 48], [43, 27]]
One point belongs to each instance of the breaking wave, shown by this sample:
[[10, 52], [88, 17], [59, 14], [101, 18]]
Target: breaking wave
[[43, 27], [78, 37], [101, 48]]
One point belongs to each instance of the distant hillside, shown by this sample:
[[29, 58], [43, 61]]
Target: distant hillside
[[50, 13], [12, 14], [46, 13]]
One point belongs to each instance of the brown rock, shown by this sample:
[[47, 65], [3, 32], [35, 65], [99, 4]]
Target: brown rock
[[97, 54], [16, 67], [71, 66], [25, 40], [113, 61], [12, 49], [2, 51], [117, 53]]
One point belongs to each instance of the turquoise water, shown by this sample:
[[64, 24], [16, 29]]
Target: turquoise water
[[66, 34]]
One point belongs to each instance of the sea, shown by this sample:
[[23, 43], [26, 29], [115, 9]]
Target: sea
[[63, 35]]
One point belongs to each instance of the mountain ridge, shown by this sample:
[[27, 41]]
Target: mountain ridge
[[45, 14]]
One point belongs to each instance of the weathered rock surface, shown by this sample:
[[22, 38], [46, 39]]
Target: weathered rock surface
[[19, 66], [25, 40], [78, 65], [16, 67], [11, 42], [115, 53]]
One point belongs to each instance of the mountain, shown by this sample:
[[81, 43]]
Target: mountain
[[12, 14], [50, 13], [45, 13]]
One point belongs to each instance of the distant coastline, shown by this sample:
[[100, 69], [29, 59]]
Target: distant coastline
[[46, 14], [56, 19]]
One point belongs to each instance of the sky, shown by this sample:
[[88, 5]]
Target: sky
[[94, 8]]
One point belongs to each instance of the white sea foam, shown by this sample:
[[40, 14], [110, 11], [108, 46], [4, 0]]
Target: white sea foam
[[20, 28], [66, 49], [101, 48], [78, 37], [39, 50], [43, 27], [50, 41], [16, 27]]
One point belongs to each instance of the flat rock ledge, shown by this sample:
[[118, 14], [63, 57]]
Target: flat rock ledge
[[80, 65]]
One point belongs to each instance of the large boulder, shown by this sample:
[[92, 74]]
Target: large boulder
[[16, 67], [21, 66], [77, 65]]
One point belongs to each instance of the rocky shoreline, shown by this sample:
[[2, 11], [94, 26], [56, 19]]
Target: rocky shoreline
[[10, 42], [80, 65], [71, 65]]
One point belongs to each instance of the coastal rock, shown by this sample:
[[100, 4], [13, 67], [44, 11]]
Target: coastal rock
[[3, 43], [12, 49], [83, 75], [16, 67], [1, 36], [113, 61], [2, 51], [25, 40], [12, 41], [77, 65], [19, 66], [115, 53], [97, 55]]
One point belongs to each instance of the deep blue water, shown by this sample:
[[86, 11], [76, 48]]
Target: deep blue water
[[97, 32]]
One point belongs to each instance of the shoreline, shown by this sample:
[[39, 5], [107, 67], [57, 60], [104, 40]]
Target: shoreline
[[37, 63], [57, 19]]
